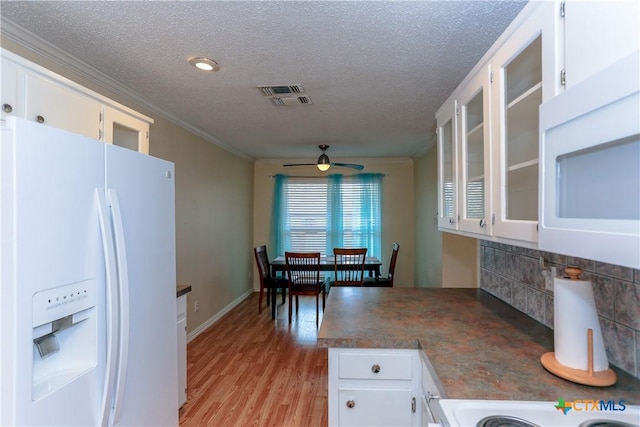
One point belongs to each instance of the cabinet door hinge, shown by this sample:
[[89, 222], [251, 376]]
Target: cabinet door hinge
[[563, 77], [100, 134], [147, 135], [100, 116], [562, 10], [413, 405], [491, 77], [457, 111], [493, 219]]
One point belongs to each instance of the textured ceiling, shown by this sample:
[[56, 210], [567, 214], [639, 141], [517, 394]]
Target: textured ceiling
[[376, 71]]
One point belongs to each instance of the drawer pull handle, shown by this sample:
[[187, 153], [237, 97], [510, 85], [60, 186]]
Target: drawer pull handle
[[431, 396], [39, 119], [351, 404], [375, 368]]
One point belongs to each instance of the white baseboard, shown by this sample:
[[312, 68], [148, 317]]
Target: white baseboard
[[213, 319]]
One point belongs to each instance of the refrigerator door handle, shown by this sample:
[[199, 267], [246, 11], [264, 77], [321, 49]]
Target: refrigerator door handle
[[111, 306], [123, 288]]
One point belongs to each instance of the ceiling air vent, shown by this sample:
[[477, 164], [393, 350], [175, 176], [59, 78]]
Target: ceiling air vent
[[270, 90], [282, 102]]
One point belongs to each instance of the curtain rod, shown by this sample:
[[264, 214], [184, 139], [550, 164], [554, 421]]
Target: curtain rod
[[320, 177]]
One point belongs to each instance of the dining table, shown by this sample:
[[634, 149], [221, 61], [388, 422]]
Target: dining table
[[371, 265]]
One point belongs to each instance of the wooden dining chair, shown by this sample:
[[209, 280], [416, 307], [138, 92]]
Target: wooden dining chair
[[348, 266], [303, 274], [385, 281], [267, 281]]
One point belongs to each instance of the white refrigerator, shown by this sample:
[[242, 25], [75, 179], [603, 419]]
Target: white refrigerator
[[88, 297]]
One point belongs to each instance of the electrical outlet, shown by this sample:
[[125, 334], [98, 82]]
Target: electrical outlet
[[196, 305], [544, 264]]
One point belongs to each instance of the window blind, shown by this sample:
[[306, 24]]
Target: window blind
[[307, 206]]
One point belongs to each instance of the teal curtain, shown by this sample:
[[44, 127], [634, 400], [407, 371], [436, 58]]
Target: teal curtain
[[370, 232], [335, 232], [279, 241], [364, 214]]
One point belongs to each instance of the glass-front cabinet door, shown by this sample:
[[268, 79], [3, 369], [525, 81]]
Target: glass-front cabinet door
[[523, 80], [447, 179], [475, 154]]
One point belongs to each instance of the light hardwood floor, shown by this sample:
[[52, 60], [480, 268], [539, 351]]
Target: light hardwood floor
[[249, 370]]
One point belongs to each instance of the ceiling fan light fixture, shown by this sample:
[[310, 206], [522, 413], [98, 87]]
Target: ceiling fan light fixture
[[323, 162], [204, 64]]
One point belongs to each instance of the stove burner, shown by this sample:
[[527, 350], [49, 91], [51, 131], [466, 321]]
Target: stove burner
[[606, 423], [505, 421]]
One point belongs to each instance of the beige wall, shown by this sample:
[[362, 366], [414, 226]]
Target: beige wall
[[214, 193], [459, 261], [398, 223], [428, 239], [442, 259]]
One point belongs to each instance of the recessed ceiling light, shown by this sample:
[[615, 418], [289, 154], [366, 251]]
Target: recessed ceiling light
[[204, 64]]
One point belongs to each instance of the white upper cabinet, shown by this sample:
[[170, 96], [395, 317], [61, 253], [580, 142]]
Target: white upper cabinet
[[489, 173], [35, 93], [590, 163], [525, 75], [590, 141], [598, 34], [126, 130], [48, 102], [447, 167], [9, 92], [474, 141]]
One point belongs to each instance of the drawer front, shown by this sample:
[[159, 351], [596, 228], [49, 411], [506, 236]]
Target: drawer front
[[374, 407], [181, 307], [375, 366]]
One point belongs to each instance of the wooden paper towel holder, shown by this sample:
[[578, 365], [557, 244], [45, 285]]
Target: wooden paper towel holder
[[587, 377]]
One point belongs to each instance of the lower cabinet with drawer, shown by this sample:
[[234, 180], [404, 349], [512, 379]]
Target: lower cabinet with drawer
[[374, 387]]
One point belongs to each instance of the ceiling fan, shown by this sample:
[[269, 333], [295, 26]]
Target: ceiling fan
[[324, 163]]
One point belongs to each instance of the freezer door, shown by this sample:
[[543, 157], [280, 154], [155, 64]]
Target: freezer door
[[140, 190], [52, 276]]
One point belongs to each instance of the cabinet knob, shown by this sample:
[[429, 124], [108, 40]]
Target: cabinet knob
[[482, 223], [7, 108], [39, 119], [351, 404], [375, 368]]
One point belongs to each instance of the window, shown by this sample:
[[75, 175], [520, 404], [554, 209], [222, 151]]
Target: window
[[318, 214]]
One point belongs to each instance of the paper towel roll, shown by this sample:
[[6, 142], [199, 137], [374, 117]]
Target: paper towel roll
[[575, 312]]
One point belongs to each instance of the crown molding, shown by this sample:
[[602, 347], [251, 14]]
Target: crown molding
[[27, 40]]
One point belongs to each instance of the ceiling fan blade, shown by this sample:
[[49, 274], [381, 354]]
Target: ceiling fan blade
[[299, 164], [349, 165]]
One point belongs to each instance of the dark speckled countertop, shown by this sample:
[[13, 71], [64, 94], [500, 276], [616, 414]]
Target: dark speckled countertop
[[480, 347], [182, 290]]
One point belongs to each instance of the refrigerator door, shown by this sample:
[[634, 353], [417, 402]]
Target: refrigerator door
[[53, 277], [140, 190]]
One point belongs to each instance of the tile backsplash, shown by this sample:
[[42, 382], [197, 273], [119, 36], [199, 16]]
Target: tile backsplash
[[513, 274]]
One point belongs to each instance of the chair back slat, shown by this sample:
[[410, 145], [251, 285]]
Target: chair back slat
[[303, 272], [303, 268], [349, 266], [262, 260], [392, 263]]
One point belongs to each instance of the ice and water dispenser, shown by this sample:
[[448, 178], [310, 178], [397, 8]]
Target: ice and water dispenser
[[65, 341]]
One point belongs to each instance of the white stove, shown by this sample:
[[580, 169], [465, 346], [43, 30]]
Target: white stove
[[511, 413]]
